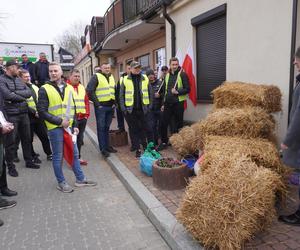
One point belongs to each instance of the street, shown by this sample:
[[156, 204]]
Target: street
[[101, 217]]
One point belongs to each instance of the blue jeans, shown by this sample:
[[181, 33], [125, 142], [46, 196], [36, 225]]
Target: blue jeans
[[103, 117], [56, 139]]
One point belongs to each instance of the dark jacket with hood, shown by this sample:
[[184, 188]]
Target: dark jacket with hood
[[30, 67], [155, 87], [41, 72], [15, 93]]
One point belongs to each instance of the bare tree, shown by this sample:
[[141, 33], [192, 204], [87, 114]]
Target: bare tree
[[70, 38]]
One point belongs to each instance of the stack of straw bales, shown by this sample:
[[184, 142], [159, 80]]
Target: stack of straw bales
[[234, 196], [228, 204], [239, 94], [244, 123]]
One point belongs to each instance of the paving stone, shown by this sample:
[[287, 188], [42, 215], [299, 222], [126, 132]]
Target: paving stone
[[100, 217]]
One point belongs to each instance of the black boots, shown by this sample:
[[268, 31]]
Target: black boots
[[293, 219]]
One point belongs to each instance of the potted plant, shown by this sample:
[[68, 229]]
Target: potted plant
[[170, 174]]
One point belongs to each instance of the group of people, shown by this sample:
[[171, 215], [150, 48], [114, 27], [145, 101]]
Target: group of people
[[47, 108], [35, 99], [149, 104]]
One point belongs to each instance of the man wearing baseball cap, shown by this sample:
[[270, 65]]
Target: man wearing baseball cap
[[15, 95], [135, 104]]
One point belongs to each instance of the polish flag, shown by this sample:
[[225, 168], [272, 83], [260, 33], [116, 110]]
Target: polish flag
[[188, 68], [179, 56], [68, 148]]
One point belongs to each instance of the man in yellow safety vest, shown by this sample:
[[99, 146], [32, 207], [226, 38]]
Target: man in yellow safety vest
[[135, 104], [37, 125], [177, 87], [56, 106], [82, 108], [101, 91]]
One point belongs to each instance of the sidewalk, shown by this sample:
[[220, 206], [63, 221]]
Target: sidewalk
[[278, 237]]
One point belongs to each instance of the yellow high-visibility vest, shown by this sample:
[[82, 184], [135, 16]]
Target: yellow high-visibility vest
[[181, 98], [79, 99], [105, 90], [57, 106], [30, 100], [129, 91]]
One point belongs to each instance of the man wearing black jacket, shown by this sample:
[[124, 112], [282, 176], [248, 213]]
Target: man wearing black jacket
[[5, 127], [41, 70], [156, 98], [101, 91], [29, 66], [15, 94], [135, 104], [56, 105], [176, 89]]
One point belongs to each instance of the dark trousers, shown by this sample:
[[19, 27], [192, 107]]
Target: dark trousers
[[156, 124], [140, 127], [3, 180], [120, 119], [22, 128], [38, 127], [81, 124], [175, 111]]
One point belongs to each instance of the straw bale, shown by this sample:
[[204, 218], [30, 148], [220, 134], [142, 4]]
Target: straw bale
[[226, 206], [260, 151], [244, 123], [185, 142], [240, 94]]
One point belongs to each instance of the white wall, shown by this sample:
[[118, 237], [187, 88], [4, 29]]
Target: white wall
[[83, 67], [258, 44]]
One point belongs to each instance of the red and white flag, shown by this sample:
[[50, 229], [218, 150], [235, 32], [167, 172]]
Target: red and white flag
[[188, 68], [68, 148]]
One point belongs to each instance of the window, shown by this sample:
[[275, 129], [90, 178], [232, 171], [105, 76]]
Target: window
[[121, 68], [144, 61], [160, 57], [211, 51]]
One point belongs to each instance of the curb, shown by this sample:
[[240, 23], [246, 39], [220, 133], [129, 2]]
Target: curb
[[170, 229]]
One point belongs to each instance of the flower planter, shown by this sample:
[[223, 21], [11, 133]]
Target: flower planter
[[170, 178]]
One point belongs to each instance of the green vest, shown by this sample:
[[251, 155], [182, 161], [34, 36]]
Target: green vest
[[57, 106], [30, 100], [181, 98], [129, 91], [105, 90]]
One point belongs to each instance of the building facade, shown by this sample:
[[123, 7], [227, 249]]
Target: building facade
[[233, 40]]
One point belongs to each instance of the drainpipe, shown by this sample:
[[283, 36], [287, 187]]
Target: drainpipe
[[173, 30]]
